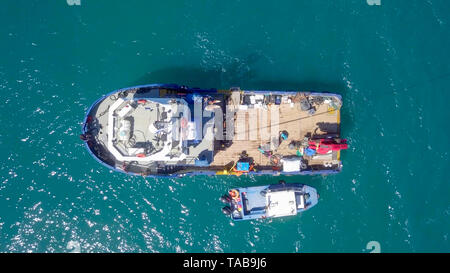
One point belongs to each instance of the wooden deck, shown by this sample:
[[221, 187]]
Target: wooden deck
[[255, 127]]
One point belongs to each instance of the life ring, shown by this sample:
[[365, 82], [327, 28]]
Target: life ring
[[275, 160], [234, 193]]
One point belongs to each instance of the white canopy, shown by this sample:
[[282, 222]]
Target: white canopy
[[291, 164], [281, 203]]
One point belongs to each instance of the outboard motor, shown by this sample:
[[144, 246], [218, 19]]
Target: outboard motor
[[226, 210], [225, 198]]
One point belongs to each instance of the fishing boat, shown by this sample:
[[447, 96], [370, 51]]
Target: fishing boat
[[269, 201], [175, 130]]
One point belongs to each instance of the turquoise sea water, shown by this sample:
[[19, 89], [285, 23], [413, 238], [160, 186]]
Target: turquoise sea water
[[389, 62]]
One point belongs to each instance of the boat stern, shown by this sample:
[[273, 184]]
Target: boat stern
[[233, 204]]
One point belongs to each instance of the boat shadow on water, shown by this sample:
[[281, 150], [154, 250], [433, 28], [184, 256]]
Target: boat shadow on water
[[234, 76]]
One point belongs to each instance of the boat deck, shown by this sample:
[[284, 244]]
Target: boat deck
[[248, 135]]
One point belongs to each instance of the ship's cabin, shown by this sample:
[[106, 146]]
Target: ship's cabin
[[153, 129]]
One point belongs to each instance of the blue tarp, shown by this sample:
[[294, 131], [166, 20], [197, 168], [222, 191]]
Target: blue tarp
[[243, 166], [309, 152]]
